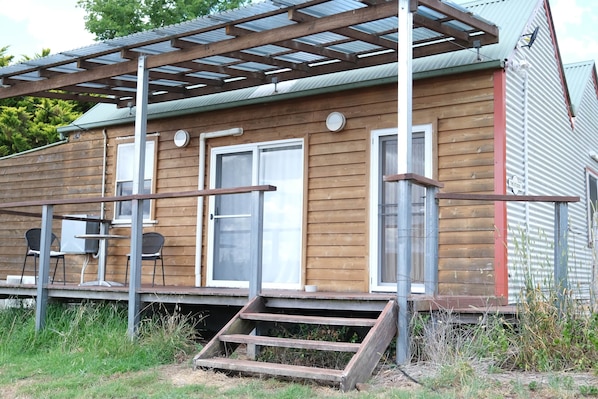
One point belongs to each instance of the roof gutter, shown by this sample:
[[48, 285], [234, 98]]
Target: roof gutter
[[34, 149]]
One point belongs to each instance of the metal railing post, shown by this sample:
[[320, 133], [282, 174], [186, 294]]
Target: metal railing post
[[431, 257], [41, 302], [561, 245], [257, 230]]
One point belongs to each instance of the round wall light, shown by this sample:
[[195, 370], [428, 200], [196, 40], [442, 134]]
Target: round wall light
[[335, 121], [181, 138]]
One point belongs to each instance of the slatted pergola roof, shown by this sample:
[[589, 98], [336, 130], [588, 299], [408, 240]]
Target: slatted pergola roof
[[271, 41]]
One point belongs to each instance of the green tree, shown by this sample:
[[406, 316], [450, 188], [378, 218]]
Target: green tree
[[30, 122], [108, 19]]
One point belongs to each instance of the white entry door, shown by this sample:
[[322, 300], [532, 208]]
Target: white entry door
[[279, 164], [383, 213]]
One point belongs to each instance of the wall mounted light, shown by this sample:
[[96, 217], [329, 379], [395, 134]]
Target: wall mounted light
[[335, 121], [181, 138], [594, 155]]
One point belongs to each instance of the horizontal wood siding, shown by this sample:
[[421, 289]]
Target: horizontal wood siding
[[72, 170], [463, 107]]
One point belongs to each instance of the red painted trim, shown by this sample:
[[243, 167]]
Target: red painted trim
[[501, 272], [559, 60]]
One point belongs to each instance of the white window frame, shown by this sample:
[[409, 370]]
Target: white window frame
[[151, 151], [254, 147], [427, 129]]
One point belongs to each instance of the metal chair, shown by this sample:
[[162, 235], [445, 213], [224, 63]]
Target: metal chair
[[151, 249], [33, 238]]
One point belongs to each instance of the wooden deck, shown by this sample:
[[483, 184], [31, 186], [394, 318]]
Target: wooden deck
[[237, 297]]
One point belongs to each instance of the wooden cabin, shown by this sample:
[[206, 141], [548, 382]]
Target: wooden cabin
[[497, 119], [307, 98]]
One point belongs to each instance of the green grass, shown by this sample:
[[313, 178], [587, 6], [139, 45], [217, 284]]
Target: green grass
[[84, 352]]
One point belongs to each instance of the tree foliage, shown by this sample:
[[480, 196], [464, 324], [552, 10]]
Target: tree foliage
[[108, 19], [30, 122]]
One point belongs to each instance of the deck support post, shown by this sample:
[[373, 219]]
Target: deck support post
[[404, 100], [257, 228], [137, 204], [41, 302], [431, 257], [561, 249]]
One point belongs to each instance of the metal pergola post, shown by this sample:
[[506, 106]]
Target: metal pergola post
[[137, 204], [404, 95]]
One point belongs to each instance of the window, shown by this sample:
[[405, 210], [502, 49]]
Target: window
[[124, 179], [592, 199], [383, 216]]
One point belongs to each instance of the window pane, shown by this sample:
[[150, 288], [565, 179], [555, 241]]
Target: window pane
[[124, 209], [126, 156], [387, 210], [234, 170]]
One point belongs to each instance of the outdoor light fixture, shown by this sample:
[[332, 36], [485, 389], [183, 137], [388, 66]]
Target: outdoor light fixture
[[594, 155], [335, 121], [181, 138]]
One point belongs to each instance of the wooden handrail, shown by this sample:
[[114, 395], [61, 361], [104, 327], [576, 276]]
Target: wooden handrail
[[181, 194], [415, 178], [499, 197], [58, 217]]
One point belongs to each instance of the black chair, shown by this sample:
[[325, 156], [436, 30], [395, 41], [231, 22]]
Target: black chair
[[33, 238], [151, 249]]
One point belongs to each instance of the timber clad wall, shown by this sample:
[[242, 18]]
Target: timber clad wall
[[71, 170], [463, 106], [336, 200]]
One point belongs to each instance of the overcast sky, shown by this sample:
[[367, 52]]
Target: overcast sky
[[28, 26]]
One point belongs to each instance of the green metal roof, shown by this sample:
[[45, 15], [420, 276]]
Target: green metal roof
[[500, 12], [577, 76]]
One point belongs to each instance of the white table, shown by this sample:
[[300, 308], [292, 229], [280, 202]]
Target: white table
[[102, 252]]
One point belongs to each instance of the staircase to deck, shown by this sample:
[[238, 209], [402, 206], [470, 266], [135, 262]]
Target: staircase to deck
[[249, 327]]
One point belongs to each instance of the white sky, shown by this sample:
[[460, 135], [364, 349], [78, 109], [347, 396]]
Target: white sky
[[28, 26]]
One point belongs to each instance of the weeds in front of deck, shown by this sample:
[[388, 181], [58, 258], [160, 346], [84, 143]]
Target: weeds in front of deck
[[83, 344], [554, 331]]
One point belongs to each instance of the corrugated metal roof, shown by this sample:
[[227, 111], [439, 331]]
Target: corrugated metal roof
[[578, 75], [511, 24]]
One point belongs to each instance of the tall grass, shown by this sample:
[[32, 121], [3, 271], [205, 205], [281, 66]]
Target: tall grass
[[91, 338], [553, 331]]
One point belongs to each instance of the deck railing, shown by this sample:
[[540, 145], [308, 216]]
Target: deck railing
[[431, 261], [47, 215]]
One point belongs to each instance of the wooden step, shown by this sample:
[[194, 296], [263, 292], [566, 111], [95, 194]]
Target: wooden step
[[291, 343], [276, 369], [301, 319]]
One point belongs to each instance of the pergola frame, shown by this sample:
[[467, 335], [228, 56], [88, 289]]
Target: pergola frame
[[274, 41]]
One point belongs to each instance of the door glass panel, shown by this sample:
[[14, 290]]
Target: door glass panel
[[232, 218], [282, 167], [387, 211]]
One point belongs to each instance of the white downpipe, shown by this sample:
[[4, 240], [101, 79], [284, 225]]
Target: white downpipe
[[237, 131], [104, 168], [526, 160]]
